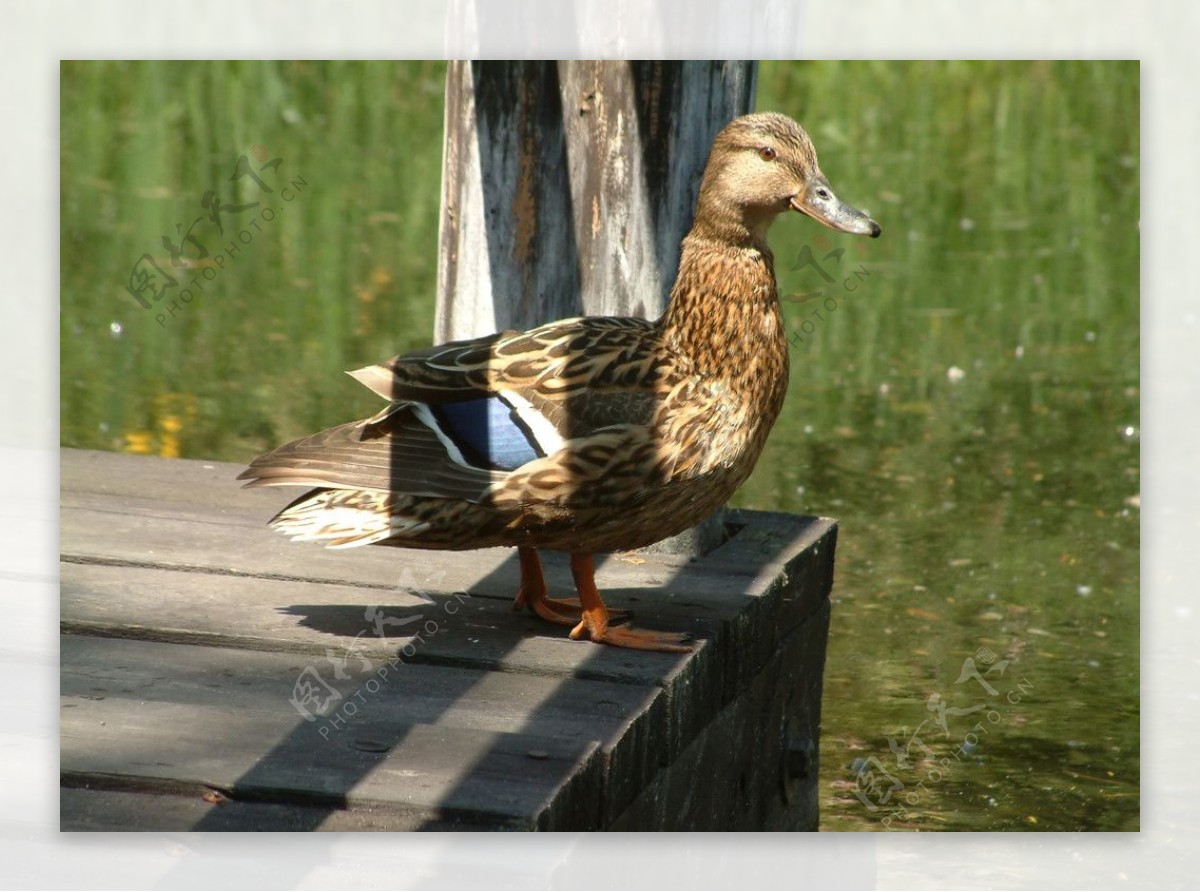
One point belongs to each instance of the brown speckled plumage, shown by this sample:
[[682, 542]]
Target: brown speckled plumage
[[642, 429]]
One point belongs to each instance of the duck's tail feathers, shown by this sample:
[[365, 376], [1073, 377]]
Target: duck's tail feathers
[[345, 518]]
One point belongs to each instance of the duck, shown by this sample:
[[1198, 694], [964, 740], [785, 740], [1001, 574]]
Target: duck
[[586, 435]]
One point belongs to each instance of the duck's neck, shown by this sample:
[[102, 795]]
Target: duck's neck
[[724, 310], [722, 223]]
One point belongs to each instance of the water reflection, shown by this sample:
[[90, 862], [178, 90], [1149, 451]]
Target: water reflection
[[998, 512]]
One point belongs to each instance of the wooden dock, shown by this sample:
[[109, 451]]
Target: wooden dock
[[216, 676]]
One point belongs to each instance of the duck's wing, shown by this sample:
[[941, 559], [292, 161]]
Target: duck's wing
[[396, 451], [464, 415]]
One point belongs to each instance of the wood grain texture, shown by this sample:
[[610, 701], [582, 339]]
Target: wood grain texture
[[567, 187]]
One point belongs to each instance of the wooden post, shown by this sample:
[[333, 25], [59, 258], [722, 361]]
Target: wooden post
[[567, 187]]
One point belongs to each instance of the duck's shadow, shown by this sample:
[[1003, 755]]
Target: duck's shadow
[[363, 620]]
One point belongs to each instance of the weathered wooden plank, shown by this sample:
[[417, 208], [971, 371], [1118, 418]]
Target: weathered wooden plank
[[118, 475], [407, 693], [145, 532], [437, 743], [189, 513], [310, 618], [156, 810], [626, 719]]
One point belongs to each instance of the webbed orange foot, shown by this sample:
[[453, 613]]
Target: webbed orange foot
[[595, 622], [636, 639]]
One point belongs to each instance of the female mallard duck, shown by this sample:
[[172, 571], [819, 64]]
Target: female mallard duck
[[585, 435]]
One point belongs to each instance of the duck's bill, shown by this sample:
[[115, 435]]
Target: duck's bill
[[819, 202]]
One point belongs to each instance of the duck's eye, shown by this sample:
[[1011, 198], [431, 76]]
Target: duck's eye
[[768, 153]]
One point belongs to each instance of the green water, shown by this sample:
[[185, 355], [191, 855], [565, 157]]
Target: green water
[[965, 392]]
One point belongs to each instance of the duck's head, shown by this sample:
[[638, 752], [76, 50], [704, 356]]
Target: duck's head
[[762, 165]]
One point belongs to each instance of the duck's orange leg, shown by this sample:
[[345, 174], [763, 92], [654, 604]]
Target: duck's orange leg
[[595, 624], [532, 594]]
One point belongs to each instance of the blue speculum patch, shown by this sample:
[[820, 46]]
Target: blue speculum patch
[[488, 432]]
